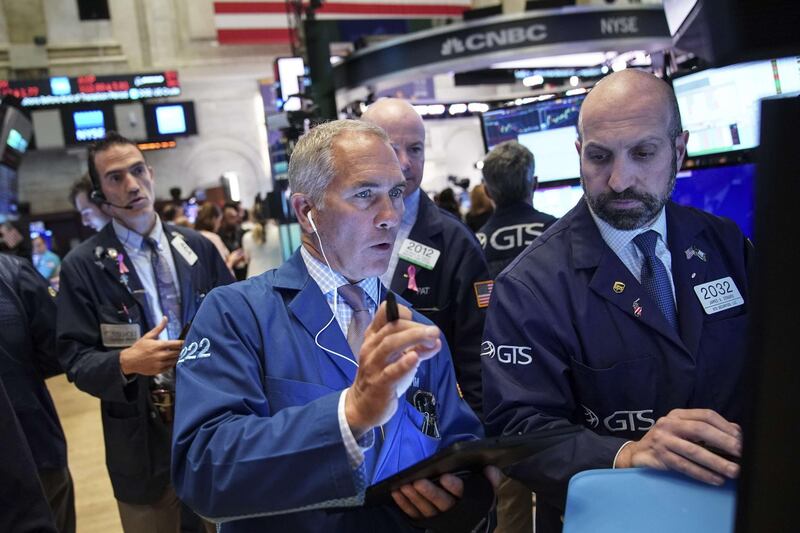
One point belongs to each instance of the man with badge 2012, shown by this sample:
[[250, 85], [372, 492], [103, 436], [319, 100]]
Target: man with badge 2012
[[437, 263], [632, 312], [300, 391], [125, 295]]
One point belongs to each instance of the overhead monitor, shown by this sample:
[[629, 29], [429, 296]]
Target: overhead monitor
[[558, 200], [90, 125], [291, 75], [720, 107], [548, 129], [169, 120], [723, 191], [86, 124]]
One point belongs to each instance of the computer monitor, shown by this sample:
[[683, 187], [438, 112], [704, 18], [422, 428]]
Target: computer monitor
[[557, 200], [86, 124], [723, 191], [169, 120], [720, 107], [548, 129]]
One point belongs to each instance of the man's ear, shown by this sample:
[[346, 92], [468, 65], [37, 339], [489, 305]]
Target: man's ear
[[578, 147], [302, 206]]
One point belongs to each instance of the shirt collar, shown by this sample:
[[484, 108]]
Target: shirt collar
[[411, 208], [132, 240], [618, 239], [329, 280]]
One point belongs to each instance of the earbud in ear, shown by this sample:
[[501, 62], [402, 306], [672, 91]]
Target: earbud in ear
[[311, 220]]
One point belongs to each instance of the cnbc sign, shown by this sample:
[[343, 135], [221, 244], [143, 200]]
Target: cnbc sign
[[494, 38], [478, 44]]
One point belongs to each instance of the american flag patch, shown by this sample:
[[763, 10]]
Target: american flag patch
[[483, 291]]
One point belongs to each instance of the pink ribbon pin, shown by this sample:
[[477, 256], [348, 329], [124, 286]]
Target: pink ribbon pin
[[412, 278], [123, 269]]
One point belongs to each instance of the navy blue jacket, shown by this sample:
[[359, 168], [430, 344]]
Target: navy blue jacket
[[562, 347], [23, 505], [447, 292], [256, 428], [92, 293], [510, 230], [28, 356]]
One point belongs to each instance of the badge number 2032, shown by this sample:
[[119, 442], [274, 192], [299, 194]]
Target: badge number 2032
[[195, 350], [718, 295]]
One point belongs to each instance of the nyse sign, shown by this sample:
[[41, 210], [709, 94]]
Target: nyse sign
[[619, 25]]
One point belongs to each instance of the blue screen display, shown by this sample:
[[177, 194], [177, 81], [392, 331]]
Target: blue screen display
[[17, 141], [548, 129], [723, 191], [170, 119], [89, 125]]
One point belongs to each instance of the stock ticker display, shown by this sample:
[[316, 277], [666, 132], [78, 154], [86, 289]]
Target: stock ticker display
[[547, 128]]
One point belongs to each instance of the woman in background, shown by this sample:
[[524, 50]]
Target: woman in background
[[481, 208], [262, 244], [209, 218], [447, 200]]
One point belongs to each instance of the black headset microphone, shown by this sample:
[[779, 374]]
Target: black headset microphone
[[98, 198]]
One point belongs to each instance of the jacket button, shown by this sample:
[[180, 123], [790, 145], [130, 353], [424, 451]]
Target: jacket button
[[153, 414]]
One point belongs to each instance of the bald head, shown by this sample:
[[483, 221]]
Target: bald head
[[631, 148], [632, 92], [406, 132]]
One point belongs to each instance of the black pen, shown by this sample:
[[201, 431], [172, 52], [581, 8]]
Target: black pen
[[392, 313], [185, 330]]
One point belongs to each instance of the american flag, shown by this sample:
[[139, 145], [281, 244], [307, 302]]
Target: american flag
[[483, 291], [267, 22]]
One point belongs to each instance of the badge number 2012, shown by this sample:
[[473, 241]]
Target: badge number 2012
[[195, 350], [419, 254]]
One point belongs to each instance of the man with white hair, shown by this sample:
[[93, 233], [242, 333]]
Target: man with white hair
[[297, 389]]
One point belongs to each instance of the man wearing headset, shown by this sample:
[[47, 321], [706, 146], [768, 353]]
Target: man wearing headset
[[125, 295], [295, 389]]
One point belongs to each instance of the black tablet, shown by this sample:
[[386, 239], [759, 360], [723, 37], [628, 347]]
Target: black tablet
[[470, 456]]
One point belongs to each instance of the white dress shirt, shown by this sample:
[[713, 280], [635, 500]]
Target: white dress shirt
[[329, 282], [140, 258]]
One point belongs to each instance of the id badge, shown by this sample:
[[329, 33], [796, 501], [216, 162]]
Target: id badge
[[419, 254], [718, 295], [119, 335], [185, 250]]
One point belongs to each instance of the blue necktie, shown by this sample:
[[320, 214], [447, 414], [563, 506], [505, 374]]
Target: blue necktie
[[356, 298], [168, 297], [655, 278]]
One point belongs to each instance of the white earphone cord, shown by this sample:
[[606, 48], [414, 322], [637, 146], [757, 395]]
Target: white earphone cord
[[335, 298]]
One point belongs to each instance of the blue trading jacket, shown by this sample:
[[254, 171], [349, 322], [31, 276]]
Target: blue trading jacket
[[256, 432]]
